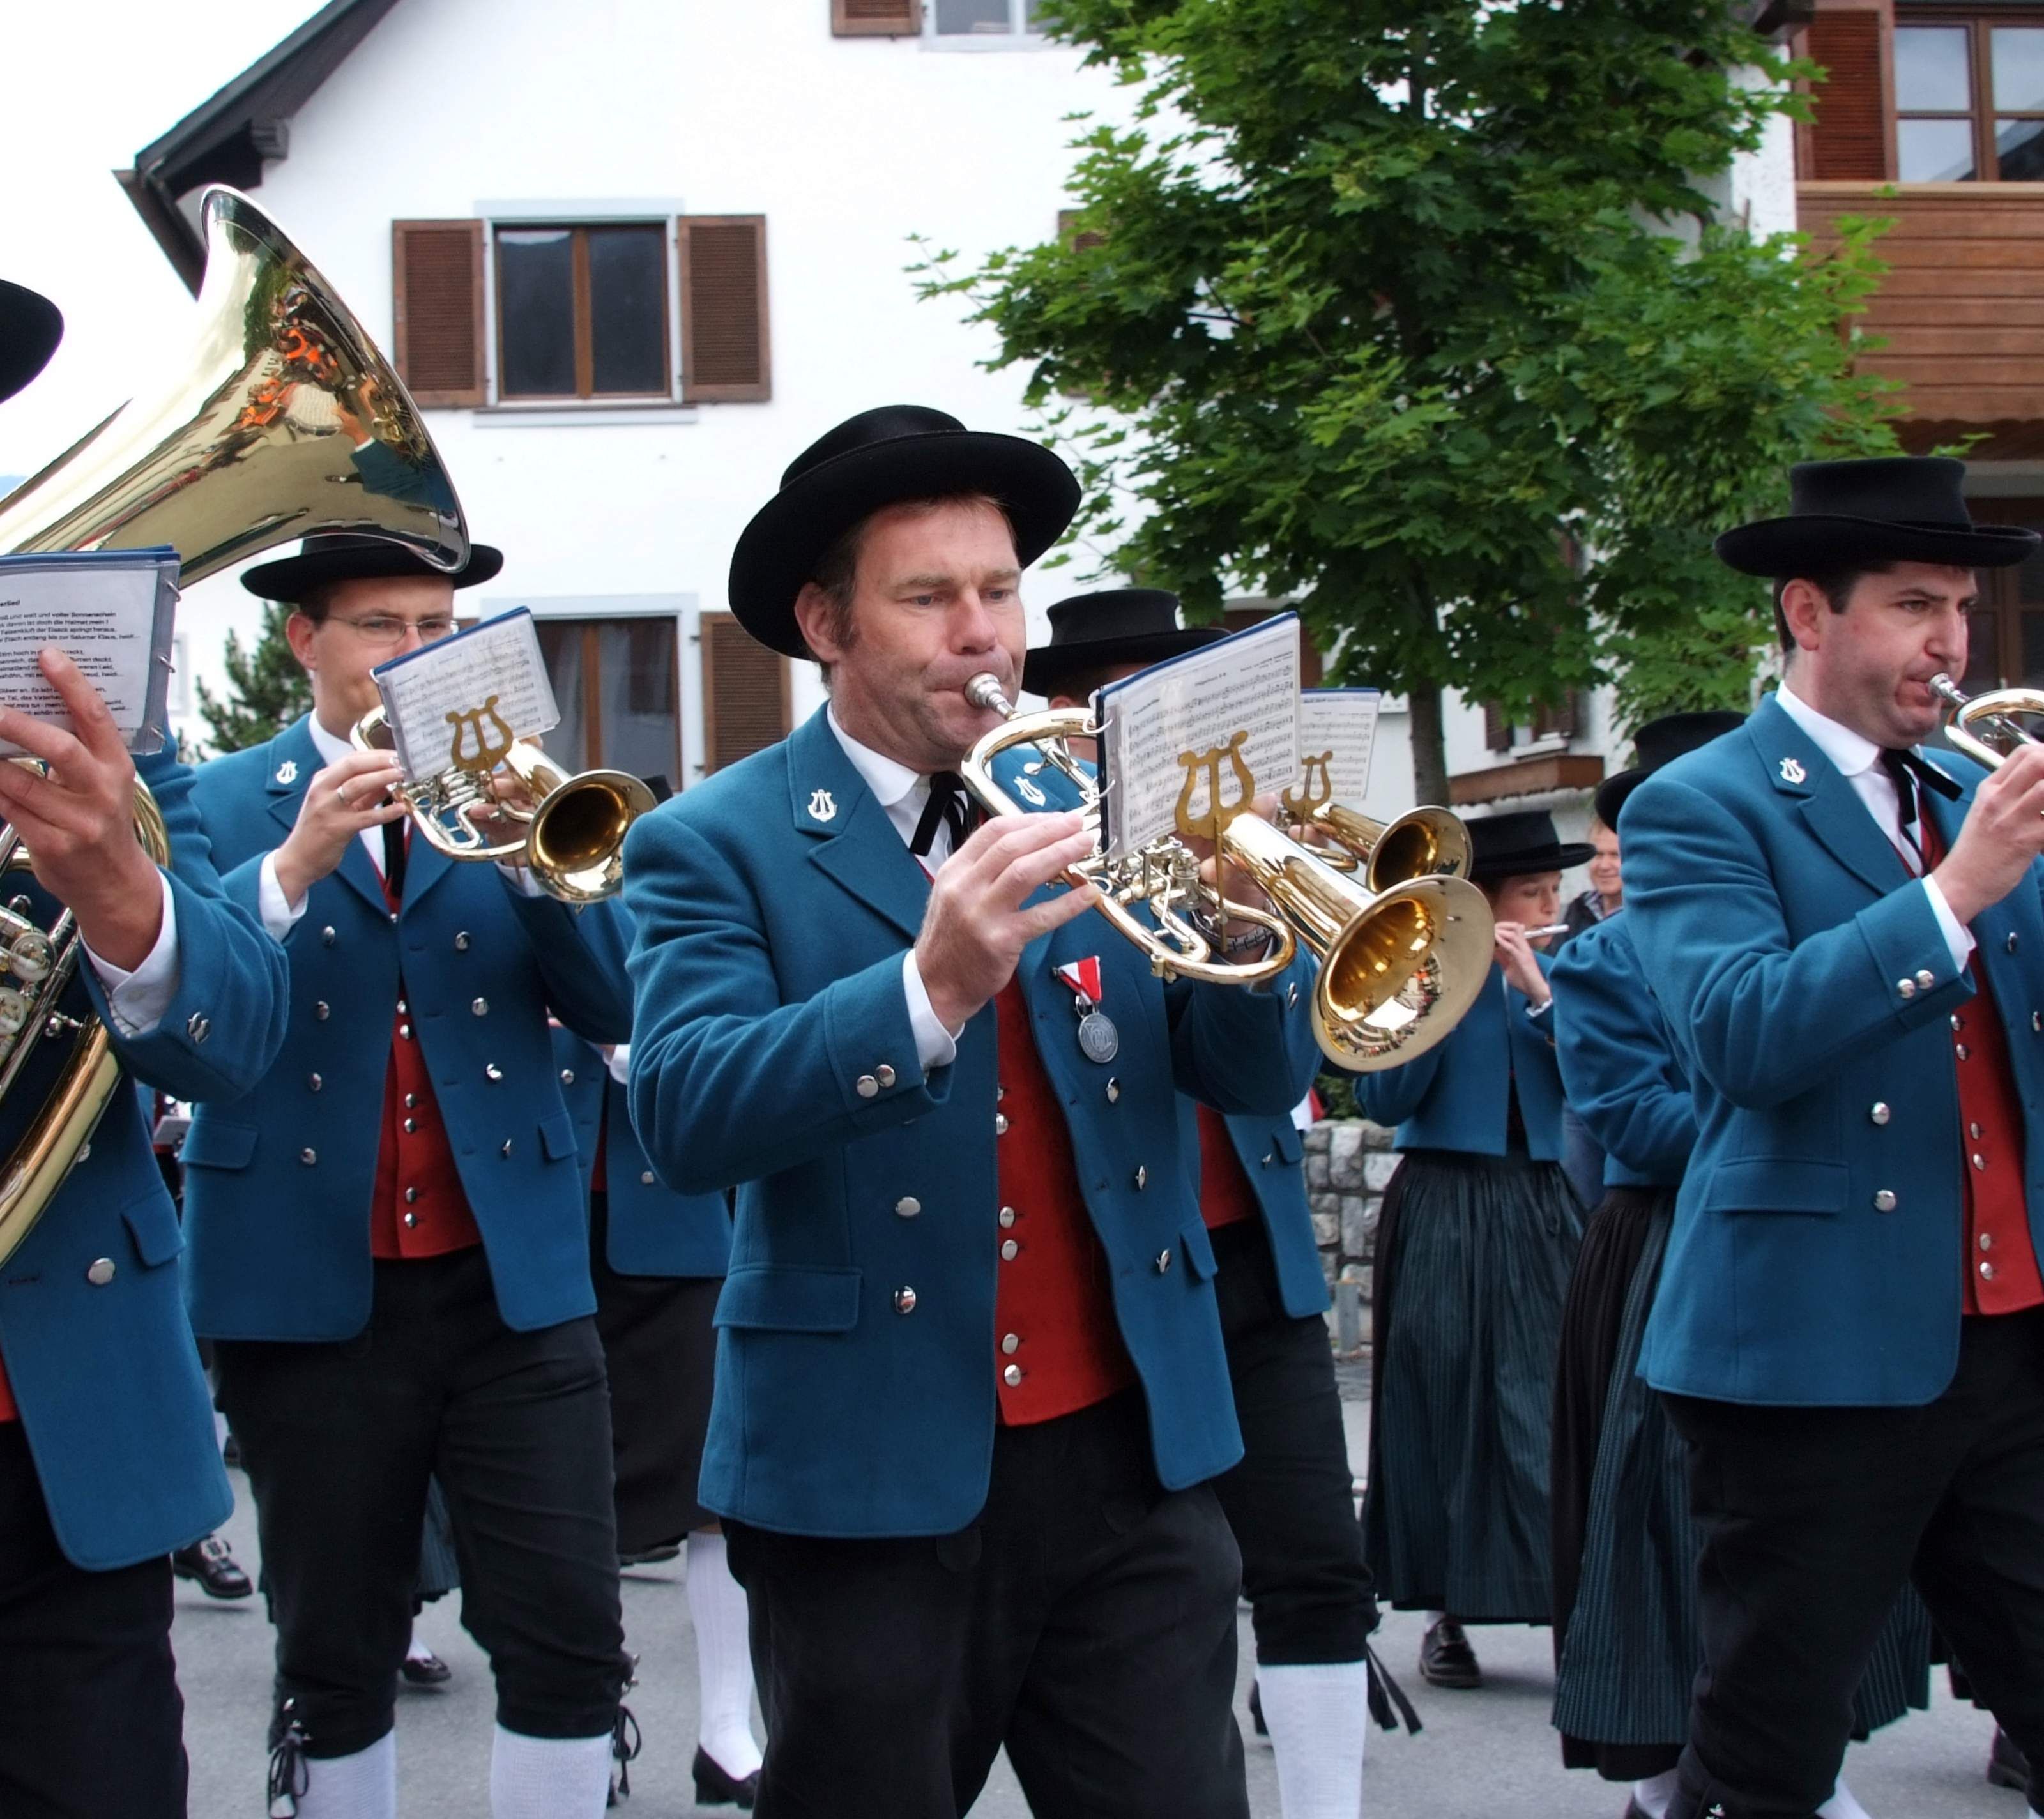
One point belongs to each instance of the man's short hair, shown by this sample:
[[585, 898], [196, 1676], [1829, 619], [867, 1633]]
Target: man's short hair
[[1081, 684], [1836, 584], [317, 602]]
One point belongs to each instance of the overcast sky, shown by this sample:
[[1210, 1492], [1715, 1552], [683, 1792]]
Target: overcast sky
[[90, 83]]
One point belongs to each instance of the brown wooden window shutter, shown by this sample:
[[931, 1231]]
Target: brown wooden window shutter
[[1496, 728], [436, 287], [1848, 140], [1563, 722], [747, 703], [876, 18], [725, 351]]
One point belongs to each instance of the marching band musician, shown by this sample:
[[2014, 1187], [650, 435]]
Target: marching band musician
[[388, 1241], [1849, 1334], [971, 1384], [1290, 1503], [1477, 1237], [108, 1459]]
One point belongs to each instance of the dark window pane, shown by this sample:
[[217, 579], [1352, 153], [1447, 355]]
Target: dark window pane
[[1930, 73], [2033, 650], [2019, 68], [2019, 147], [641, 725], [959, 17], [627, 308], [1935, 151], [560, 646], [1983, 658], [535, 299]]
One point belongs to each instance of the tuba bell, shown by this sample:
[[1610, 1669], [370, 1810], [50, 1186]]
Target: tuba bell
[[1398, 968], [278, 419]]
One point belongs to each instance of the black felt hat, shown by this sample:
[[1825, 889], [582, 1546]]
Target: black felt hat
[[1658, 742], [876, 459], [31, 326], [1897, 508], [341, 555], [1094, 632], [1522, 843]]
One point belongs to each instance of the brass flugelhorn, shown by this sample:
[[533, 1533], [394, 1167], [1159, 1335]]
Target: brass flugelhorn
[[1397, 968], [277, 419], [1424, 843], [1994, 712]]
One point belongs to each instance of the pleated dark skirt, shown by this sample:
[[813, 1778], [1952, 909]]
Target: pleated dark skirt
[[439, 1574], [1473, 1257], [660, 1349], [1625, 1551]]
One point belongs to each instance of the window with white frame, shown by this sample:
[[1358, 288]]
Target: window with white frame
[[952, 20]]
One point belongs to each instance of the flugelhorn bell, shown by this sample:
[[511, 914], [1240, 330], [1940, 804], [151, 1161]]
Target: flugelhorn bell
[[1424, 843]]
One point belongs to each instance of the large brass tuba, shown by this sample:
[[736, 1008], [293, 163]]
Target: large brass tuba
[[1398, 968], [278, 419]]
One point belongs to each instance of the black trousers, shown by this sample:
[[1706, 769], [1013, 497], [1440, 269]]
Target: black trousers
[[91, 1723], [1086, 1620], [1811, 1519], [1291, 1503], [340, 1440]]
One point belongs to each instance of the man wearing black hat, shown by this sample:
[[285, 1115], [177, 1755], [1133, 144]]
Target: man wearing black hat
[[970, 1385], [1849, 1328], [389, 1246]]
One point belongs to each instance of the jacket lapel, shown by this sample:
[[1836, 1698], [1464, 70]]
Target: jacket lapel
[[1830, 806], [294, 761], [854, 843]]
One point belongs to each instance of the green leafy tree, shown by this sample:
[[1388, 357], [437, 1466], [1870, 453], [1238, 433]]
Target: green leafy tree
[[1418, 312], [267, 688]]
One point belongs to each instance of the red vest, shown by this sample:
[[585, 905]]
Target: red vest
[[1057, 1346], [1225, 1197]]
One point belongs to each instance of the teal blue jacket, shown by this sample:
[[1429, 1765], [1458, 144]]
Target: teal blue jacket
[[1618, 1060], [1273, 1156], [1818, 1254], [772, 1049], [278, 1185], [99, 1351]]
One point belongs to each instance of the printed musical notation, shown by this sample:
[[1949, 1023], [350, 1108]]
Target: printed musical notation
[[460, 701]]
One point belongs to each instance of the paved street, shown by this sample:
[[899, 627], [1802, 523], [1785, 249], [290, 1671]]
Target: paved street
[[1481, 1755]]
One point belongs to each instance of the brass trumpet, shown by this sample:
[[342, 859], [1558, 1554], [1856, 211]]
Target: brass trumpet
[[1424, 843], [1397, 968], [1994, 712]]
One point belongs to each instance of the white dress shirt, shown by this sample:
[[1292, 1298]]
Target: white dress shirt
[[137, 1001], [1858, 760], [904, 793]]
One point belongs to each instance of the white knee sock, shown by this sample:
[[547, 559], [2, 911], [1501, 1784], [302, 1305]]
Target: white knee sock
[[364, 1786], [724, 1658], [1652, 1795], [548, 1777], [415, 1649], [1842, 1805], [1318, 1718]]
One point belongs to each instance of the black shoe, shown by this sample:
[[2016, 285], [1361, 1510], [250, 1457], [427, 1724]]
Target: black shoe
[[1256, 1708], [209, 1563], [426, 1670], [1446, 1658], [2006, 1765], [714, 1788], [651, 1556]]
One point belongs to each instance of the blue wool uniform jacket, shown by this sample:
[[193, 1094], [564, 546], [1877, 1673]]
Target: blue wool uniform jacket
[[1272, 1156], [92, 1320], [1457, 1095], [773, 1049], [653, 1230], [1618, 1062], [1818, 1253], [278, 1186]]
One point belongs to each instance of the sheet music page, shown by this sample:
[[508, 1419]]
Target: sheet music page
[[447, 701], [112, 612], [1197, 703], [1343, 723]]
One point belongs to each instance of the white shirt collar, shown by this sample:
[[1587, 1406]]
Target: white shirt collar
[[331, 747], [1850, 752], [891, 782]]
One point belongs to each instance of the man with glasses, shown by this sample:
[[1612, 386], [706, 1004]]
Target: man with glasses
[[388, 1242]]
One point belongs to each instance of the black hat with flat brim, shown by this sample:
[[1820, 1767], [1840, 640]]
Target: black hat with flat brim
[[1896, 509], [1094, 632], [1521, 844], [31, 326], [341, 555], [1658, 742], [878, 459]]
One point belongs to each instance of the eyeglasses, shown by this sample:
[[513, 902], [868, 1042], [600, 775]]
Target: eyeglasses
[[381, 628]]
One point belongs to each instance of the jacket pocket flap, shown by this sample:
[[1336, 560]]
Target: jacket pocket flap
[[1285, 1139], [152, 1223], [557, 1136], [213, 1145], [1198, 1248], [1777, 1185], [768, 1299]]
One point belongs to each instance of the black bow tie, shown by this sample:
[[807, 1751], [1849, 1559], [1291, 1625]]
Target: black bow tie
[[948, 807], [1907, 770]]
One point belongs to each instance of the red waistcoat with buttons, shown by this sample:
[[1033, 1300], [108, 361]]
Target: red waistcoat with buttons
[[1058, 1347]]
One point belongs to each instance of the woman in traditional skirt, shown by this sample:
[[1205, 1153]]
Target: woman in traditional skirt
[[1624, 1562], [658, 1259], [1476, 1241]]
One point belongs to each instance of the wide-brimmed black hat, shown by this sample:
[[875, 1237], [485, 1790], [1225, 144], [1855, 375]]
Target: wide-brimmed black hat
[[1658, 742], [341, 555], [1898, 509], [881, 457], [1095, 632], [31, 326], [1522, 843]]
